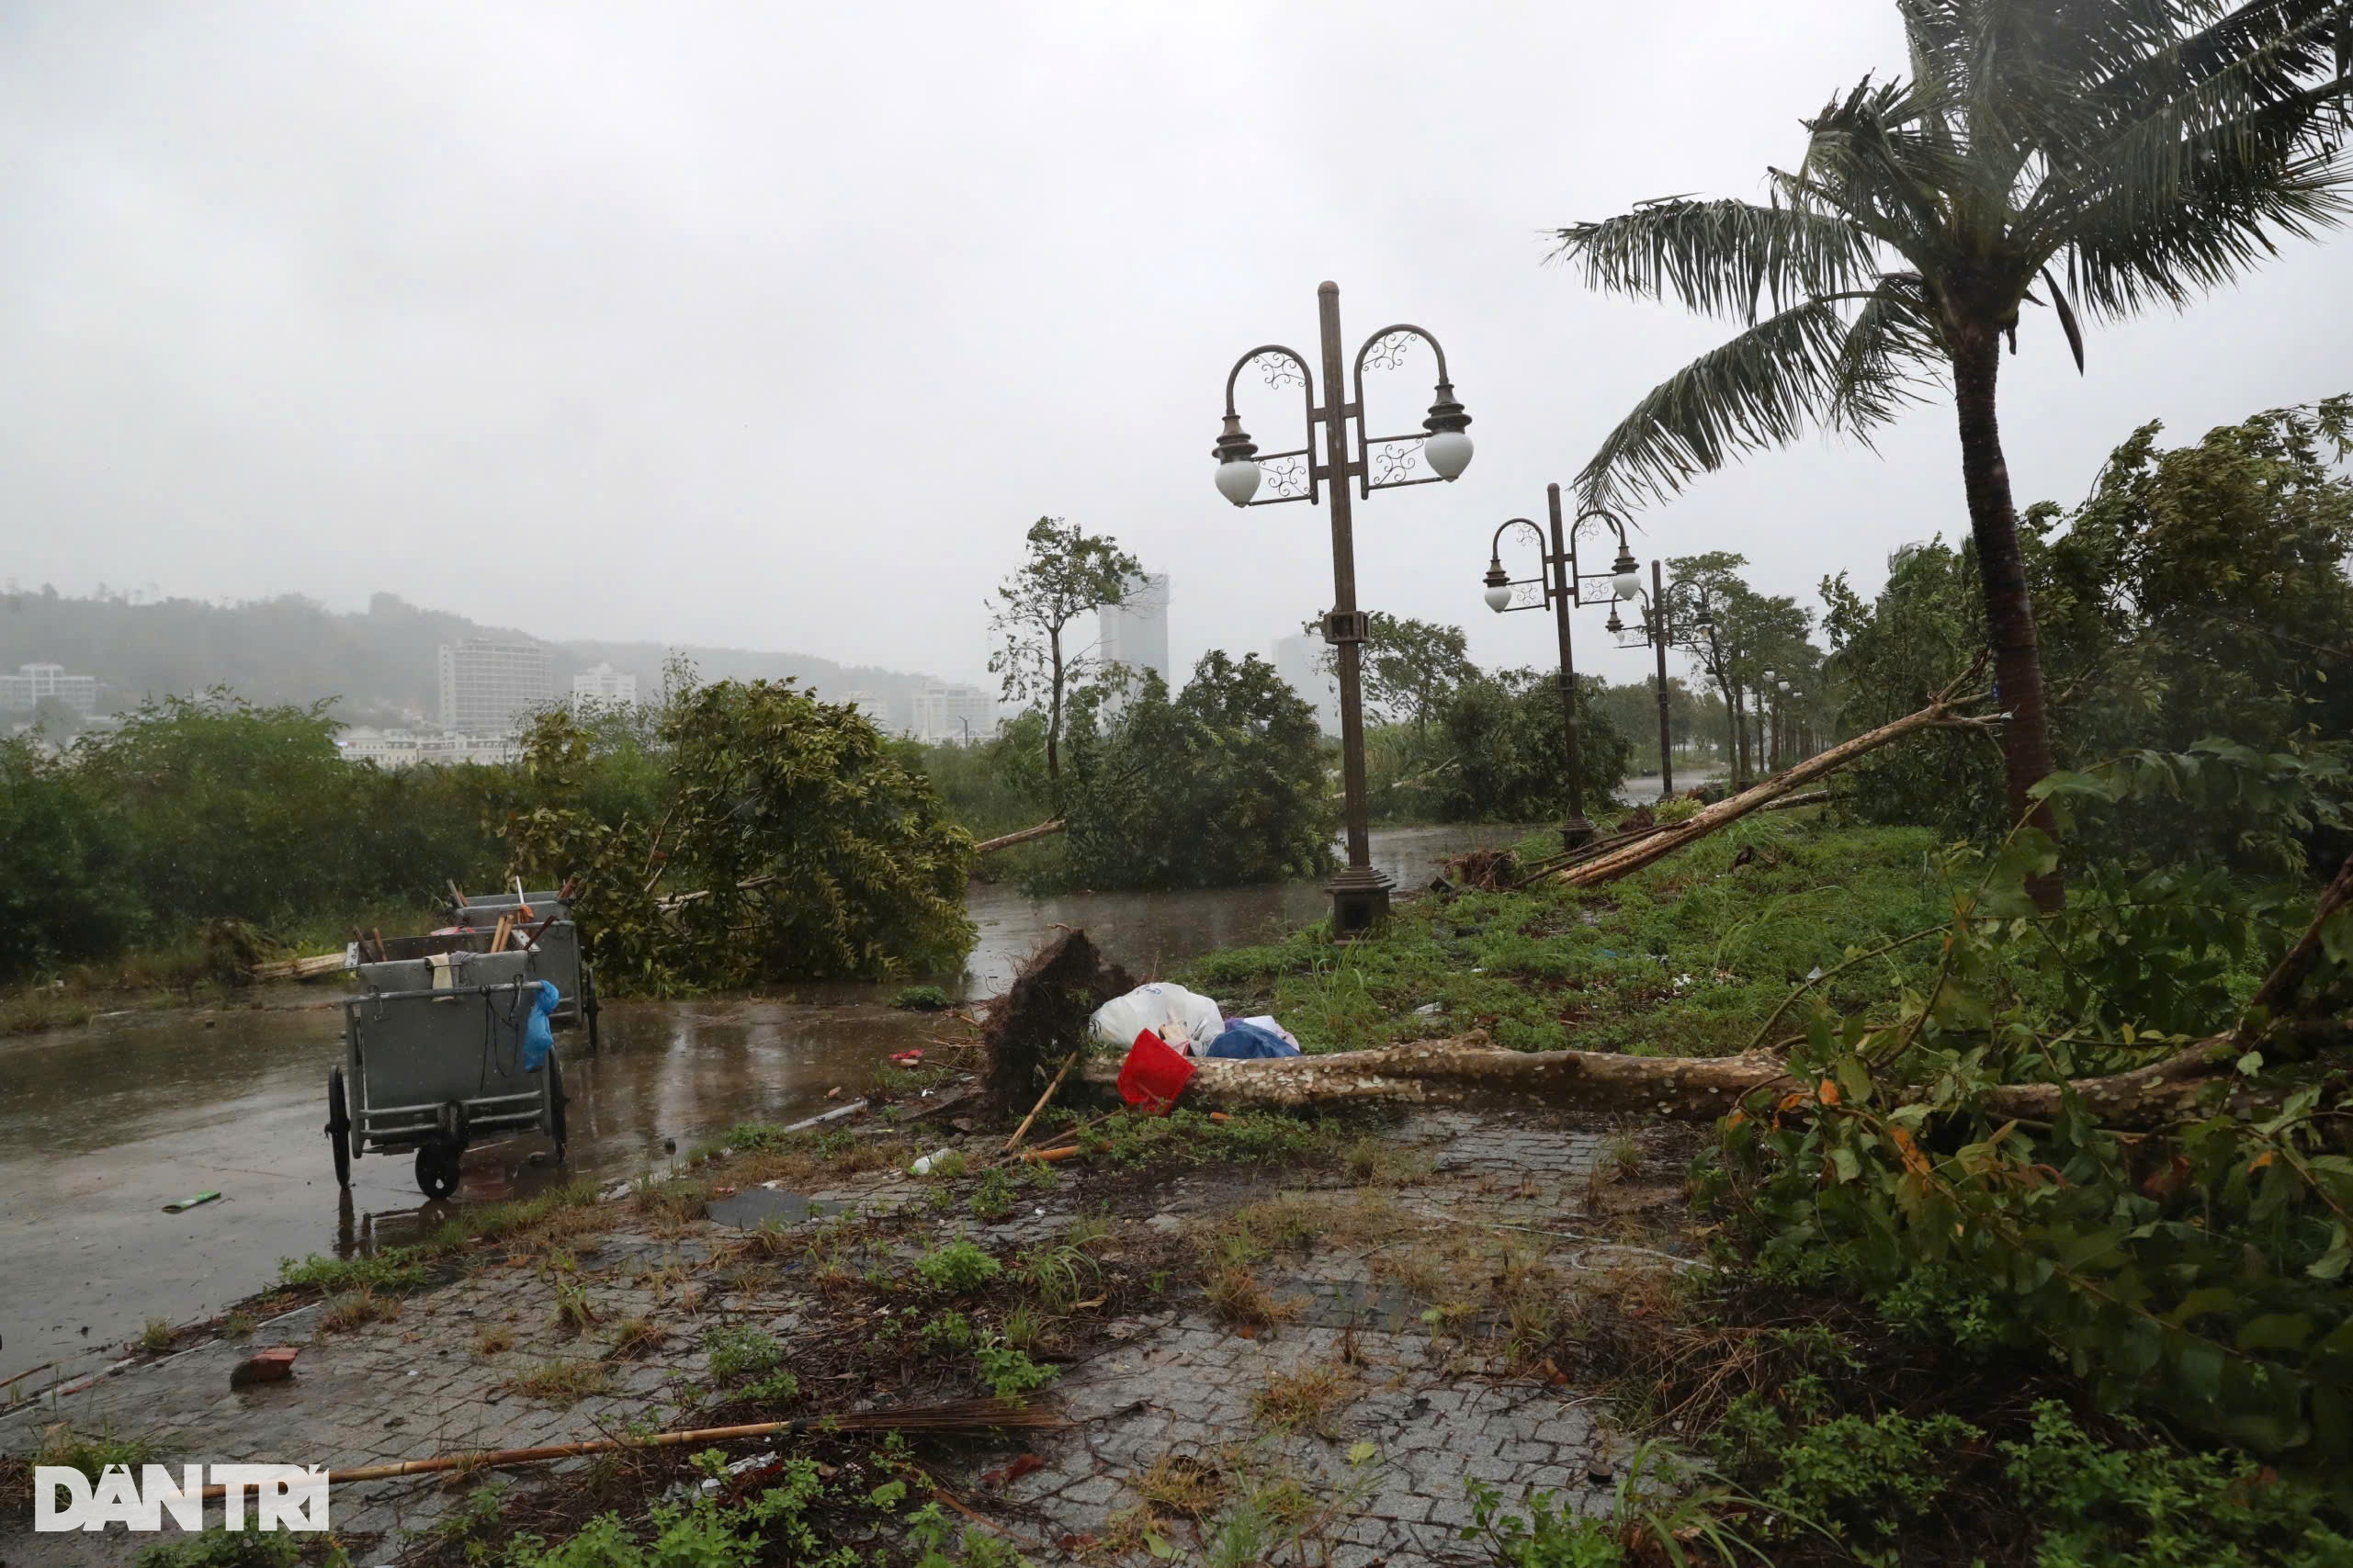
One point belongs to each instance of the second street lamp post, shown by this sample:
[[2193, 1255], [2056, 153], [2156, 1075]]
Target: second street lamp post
[[1561, 586], [1360, 895]]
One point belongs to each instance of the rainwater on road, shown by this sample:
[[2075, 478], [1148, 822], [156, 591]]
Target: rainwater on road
[[102, 1125]]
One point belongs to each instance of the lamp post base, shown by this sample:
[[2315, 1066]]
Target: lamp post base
[[1575, 833], [1360, 900]]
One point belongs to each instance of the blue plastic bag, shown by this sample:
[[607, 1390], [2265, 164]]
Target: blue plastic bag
[[1247, 1041], [538, 1034]]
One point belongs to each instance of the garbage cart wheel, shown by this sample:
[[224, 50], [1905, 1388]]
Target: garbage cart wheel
[[339, 1127], [556, 1104], [437, 1168]]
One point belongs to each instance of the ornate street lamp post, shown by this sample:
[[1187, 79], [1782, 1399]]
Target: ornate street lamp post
[[1561, 586], [1360, 895]]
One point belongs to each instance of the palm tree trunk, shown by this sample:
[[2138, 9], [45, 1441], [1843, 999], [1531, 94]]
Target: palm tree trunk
[[2009, 610]]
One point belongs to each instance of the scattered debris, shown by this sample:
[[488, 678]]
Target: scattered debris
[[272, 1365], [182, 1205]]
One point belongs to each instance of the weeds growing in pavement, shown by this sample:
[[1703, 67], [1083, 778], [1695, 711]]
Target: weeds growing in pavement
[[956, 1268], [561, 1382], [356, 1308]]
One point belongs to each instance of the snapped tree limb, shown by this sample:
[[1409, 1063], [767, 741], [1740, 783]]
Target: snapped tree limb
[[990, 846], [1941, 714]]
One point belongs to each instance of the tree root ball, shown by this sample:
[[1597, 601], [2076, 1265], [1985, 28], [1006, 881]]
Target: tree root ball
[[1042, 1017]]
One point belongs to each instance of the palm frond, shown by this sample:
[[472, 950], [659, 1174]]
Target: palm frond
[[1718, 258], [1755, 392], [2148, 133], [1887, 361], [2127, 255], [1882, 158]]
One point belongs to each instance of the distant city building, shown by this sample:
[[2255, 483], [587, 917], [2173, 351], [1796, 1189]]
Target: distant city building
[[393, 749], [946, 714], [490, 684], [34, 683], [1136, 633], [1299, 661], [602, 687], [874, 709]]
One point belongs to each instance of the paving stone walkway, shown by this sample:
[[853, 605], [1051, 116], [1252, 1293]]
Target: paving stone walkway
[[1411, 1409]]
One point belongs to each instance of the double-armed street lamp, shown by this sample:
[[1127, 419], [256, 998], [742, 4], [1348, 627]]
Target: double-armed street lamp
[[1559, 588], [1360, 895]]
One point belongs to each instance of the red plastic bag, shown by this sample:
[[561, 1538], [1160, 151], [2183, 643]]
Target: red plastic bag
[[1154, 1074]]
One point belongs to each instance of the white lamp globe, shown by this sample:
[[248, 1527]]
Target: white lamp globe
[[1626, 585], [1238, 479], [1498, 599], [1449, 452]]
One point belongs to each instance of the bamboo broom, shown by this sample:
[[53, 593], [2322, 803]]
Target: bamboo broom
[[967, 1414]]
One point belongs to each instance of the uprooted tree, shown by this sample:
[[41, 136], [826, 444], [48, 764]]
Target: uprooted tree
[[787, 843]]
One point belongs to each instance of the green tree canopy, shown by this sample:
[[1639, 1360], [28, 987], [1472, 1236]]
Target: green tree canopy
[[1225, 783], [2200, 591]]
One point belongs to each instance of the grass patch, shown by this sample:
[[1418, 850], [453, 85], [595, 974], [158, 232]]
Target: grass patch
[[357, 1309], [492, 1340], [1686, 957], [1304, 1399], [90, 1453], [561, 1382], [922, 998], [393, 1270]]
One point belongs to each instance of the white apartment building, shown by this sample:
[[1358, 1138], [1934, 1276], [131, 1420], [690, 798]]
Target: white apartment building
[[33, 684], [602, 687], [1300, 662], [490, 684], [947, 714], [1136, 633]]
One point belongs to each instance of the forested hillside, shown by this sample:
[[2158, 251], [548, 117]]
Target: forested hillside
[[376, 662]]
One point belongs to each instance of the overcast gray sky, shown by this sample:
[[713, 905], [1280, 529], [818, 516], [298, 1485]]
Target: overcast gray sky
[[776, 325]]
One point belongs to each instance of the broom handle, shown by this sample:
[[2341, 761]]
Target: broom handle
[[1015, 1142], [508, 1459]]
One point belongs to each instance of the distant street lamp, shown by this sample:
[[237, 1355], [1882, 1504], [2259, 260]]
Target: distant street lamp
[[1658, 630], [1360, 895], [1560, 586]]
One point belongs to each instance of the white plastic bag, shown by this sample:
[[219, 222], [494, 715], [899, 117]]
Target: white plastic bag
[[1186, 1019]]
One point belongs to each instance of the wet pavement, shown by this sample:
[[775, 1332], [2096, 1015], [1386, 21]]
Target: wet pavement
[[102, 1125]]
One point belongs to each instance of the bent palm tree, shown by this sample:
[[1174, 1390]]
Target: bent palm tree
[[2156, 147]]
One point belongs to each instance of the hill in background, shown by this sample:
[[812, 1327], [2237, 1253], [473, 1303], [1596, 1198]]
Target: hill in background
[[380, 665]]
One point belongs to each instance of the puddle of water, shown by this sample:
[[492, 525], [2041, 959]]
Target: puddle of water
[[101, 1126]]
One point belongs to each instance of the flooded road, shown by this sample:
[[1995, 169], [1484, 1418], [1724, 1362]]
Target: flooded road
[[102, 1125]]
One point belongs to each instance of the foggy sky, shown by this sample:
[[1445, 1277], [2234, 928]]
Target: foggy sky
[[776, 324]]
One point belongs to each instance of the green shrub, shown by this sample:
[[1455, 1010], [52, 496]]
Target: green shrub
[[922, 998], [1010, 1374], [956, 1268]]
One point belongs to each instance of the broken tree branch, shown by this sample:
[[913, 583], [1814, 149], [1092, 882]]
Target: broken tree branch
[[1633, 857], [990, 846]]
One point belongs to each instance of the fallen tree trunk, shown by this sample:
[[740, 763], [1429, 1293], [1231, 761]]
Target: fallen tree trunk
[[1633, 857], [990, 846], [1466, 1069]]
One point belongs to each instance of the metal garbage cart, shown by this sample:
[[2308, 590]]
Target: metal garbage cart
[[555, 948], [431, 1069]]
